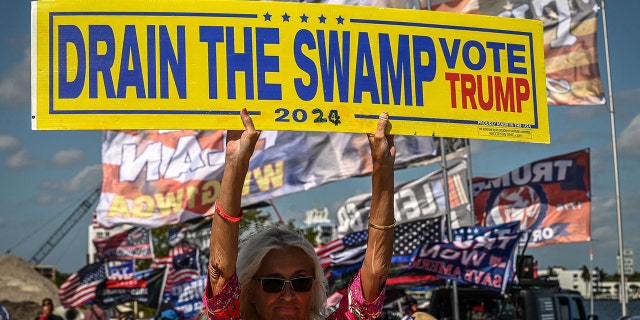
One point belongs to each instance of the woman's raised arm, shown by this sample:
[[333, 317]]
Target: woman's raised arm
[[227, 209], [377, 260]]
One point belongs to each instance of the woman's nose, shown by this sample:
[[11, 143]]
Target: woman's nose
[[288, 290]]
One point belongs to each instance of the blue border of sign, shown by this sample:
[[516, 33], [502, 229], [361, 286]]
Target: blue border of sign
[[52, 110]]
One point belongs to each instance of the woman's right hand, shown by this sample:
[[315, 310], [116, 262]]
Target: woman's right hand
[[241, 143]]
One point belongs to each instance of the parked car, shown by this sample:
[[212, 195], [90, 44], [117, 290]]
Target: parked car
[[531, 301]]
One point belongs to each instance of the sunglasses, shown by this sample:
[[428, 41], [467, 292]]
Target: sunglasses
[[276, 285]]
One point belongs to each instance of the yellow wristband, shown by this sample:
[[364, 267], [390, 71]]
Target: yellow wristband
[[375, 226]]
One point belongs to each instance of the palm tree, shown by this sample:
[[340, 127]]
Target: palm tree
[[585, 274], [586, 277]]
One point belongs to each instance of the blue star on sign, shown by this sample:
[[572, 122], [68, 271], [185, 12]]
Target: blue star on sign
[[303, 18], [267, 16], [322, 18], [285, 17], [340, 20]]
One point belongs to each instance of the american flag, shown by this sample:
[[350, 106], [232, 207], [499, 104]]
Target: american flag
[[324, 251], [80, 287], [475, 232], [407, 237], [182, 264], [410, 235]]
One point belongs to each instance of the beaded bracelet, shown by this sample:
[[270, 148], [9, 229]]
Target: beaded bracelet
[[375, 226], [226, 217]]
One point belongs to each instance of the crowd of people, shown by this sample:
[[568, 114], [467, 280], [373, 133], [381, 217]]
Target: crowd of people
[[123, 311]]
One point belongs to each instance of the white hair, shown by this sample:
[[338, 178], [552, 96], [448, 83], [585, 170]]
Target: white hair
[[255, 247]]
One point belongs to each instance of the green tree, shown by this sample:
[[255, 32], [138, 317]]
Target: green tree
[[310, 234], [253, 219], [585, 274], [160, 240]]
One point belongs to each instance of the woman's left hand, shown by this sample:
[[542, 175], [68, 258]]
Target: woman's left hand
[[383, 150]]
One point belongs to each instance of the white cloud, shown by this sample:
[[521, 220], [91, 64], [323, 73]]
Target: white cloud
[[630, 136], [21, 159], [48, 185], [8, 142], [66, 158], [15, 84], [50, 199], [600, 209], [90, 177]]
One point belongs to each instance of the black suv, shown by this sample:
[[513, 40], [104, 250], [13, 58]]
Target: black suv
[[532, 300]]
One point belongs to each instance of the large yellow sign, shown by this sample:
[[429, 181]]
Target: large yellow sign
[[193, 64]]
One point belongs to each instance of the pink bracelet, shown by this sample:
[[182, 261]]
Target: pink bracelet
[[226, 217]]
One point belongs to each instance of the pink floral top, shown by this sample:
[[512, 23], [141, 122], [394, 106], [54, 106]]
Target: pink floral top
[[226, 304]]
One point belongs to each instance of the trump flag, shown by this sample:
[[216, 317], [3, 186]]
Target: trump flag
[[570, 47], [549, 197]]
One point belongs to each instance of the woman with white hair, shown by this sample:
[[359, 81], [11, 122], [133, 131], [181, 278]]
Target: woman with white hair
[[276, 273]]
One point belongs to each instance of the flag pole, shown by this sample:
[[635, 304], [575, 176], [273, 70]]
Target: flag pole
[[447, 205], [162, 286], [591, 276], [623, 287], [470, 176], [273, 205], [445, 176]]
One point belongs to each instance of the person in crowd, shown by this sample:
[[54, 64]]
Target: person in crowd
[[409, 306], [169, 314], [72, 314], [419, 315], [95, 313], [4, 313], [47, 311], [276, 273], [124, 312]]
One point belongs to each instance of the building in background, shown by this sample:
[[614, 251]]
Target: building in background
[[627, 262], [606, 290], [318, 219], [46, 271]]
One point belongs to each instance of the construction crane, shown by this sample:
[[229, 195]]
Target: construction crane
[[66, 226]]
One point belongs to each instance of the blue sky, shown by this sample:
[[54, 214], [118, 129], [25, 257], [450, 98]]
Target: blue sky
[[45, 174]]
